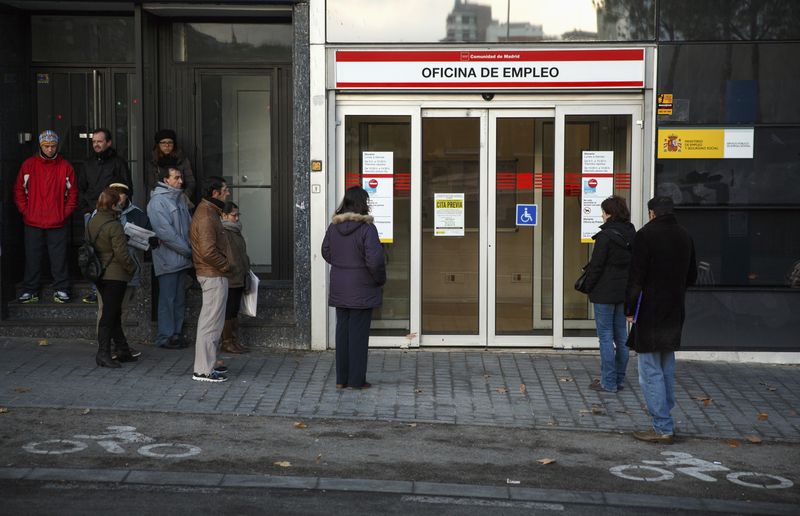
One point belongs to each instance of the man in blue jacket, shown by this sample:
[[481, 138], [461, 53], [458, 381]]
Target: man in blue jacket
[[169, 216]]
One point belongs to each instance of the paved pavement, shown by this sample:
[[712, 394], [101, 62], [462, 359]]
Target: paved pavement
[[538, 389]]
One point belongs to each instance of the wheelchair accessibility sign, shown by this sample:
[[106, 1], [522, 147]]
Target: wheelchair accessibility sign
[[527, 214]]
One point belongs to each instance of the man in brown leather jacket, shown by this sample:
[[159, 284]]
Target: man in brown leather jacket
[[211, 262]]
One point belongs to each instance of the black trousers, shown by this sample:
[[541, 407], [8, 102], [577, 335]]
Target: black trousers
[[112, 292], [352, 343], [56, 241], [233, 303]]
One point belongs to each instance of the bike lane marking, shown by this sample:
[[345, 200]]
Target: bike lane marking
[[695, 468]]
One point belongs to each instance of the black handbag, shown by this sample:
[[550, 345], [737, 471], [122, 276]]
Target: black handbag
[[580, 283]]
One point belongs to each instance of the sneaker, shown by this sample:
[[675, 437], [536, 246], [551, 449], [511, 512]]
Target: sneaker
[[28, 297], [651, 436], [133, 352], [213, 377], [221, 369], [60, 297], [90, 298]]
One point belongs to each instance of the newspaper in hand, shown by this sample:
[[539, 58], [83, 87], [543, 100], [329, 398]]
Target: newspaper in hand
[[138, 236]]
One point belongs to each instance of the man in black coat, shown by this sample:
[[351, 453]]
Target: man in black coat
[[102, 168], [662, 266]]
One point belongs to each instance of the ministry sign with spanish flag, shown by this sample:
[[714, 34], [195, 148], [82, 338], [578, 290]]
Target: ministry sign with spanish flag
[[677, 143]]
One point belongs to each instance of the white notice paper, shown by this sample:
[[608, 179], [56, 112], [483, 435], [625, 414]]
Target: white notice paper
[[377, 177], [448, 212], [597, 184]]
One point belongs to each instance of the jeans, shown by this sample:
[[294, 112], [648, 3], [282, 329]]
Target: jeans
[[657, 380], [352, 345], [171, 305], [55, 239], [612, 330]]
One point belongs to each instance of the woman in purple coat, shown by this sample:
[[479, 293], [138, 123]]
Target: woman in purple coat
[[358, 272]]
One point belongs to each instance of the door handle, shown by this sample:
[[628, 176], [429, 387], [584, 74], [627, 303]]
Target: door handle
[[244, 179]]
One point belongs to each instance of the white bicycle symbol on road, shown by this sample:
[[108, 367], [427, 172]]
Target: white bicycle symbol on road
[[696, 468], [112, 443]]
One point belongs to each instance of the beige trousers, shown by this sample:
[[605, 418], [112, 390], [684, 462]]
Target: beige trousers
[[210, 322]]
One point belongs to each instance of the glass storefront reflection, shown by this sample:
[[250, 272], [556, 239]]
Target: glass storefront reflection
[[485, 21]]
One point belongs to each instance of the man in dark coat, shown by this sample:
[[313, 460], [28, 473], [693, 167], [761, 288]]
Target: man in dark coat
[[662, 266], [102, 168]]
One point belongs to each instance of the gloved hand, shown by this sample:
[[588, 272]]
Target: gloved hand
[[154, 242]]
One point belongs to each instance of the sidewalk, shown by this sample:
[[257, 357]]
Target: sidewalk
[[538, 389]]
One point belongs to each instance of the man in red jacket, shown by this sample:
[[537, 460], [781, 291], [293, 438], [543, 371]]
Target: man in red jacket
[[45, 193]]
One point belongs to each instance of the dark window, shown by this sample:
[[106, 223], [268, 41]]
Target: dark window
[[728, 20], [771, 178], [232, 42], [731, 83], [82, 39], [744, 248]]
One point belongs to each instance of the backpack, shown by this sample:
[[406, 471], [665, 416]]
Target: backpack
[[88, 261]]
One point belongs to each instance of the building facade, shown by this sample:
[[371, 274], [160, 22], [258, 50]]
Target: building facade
[[487, 131]]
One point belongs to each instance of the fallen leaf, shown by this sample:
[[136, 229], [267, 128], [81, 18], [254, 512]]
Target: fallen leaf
[[598, 411], [44, 342], [791, 413], [622, 412], [319, 458], [502, 390], [733, 443], [522, 388], [707, 400], [22, 389], [282, 463], [85, 411], [300, 425], [487, 376], [412, 425], [3, 410], [514, 482], [754, 439], [546, 461], [763, 416], [418, 391], [772, 389], [566, 379]]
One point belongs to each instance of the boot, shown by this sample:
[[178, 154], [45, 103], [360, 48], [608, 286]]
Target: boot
[[228, 343], [103, 358], [235, 334]]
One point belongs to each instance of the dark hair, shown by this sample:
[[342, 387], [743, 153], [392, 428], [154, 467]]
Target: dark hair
[[213, 183], [164, 134], [163, 172], [616, 208], [355, 201], [229, 207], [661, 205], [105, 132], [107, 200]]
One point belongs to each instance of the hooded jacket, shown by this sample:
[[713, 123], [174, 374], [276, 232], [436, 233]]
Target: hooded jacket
[[45, 192], [111, 246], [662, 266], [240, 262], [100, 171], [358, 268], [209, 245], [169, 216], [607, 272]]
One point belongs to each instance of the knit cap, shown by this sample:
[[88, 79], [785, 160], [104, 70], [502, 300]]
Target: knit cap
[[48, 136], [166, 134]]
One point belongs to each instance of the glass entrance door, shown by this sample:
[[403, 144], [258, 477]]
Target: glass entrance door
[[464, 267]]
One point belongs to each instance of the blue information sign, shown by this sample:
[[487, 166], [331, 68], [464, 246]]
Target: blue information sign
[[527, 214]]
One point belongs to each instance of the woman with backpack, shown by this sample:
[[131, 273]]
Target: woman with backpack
[[606, 279], [105, 232]]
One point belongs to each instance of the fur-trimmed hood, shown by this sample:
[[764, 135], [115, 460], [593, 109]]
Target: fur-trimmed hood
[[346, 223]]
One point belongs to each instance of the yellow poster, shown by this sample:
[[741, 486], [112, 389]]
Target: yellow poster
[[722, 143]]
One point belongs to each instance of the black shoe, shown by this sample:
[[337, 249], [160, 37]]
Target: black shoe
[[172, 343], [132, 353], [182, 341]]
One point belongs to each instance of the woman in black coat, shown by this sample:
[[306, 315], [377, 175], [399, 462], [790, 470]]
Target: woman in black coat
[[358, 272], [606, 278]]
